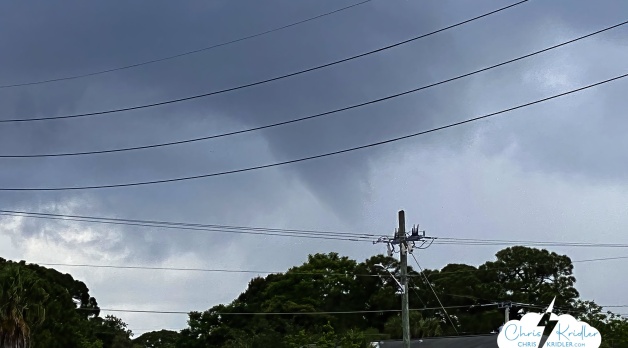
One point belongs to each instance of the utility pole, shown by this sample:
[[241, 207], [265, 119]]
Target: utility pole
[[506, 306], [405, 306], [406, 245]]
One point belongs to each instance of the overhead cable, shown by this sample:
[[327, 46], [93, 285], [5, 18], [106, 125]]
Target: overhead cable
[[291, 272], [310, 313], [328, 154], [261, 233], [111, 111], [281, 313], [435, 295], [493, 268], [181, 54], [295, 232], [197, 227], [310, 117], [532, 243]]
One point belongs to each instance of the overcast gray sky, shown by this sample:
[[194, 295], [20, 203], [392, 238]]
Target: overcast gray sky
[[554, 171]]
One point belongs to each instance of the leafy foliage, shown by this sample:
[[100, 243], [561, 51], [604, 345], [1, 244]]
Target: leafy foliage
[[519, 274], [327, 338], [329, 283], [43, 308], [22, 301], [531, 275], [157, 339], [612, 327], [419, 327]]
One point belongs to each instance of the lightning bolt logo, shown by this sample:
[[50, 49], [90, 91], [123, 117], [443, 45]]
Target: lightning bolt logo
[[547, 323]]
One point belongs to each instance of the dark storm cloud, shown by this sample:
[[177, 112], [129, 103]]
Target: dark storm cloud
[[47, 41], [449, 194], [237, 64]]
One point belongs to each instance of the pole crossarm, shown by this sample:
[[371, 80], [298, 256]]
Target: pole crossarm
[[410, 241], [407, 243]]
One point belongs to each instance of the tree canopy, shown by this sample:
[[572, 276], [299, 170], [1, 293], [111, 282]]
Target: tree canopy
[[311, 304], [157, 339], [43, 308], [529, 278]]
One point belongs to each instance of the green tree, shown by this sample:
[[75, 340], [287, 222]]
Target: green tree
[[419, 326], [531, 276], [85, 343], [377, 290], [460, 285], [64, 324], [520, 274], [330, 282], [327, 338], [612, 327], [157, 339], [329, 286], [111, 331], [71, 314], [22, 302]]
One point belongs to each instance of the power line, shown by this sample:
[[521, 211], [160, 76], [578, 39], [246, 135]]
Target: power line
[[538, 244], [474, 240], [603, 259], [493, 303], [182, 54], [435, 295], [172, 223], [157, 329], [492, 268], [313, 313], [416, 292], [323, 312], [298, 232], [444, 308], [373, 101], [568, 310], [135, 311], [213, 270], [276, 164], [289, 272], [525, 305], [277, 313], [262, 81], [313, 235]]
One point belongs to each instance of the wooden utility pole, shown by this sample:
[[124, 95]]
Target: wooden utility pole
[[405, 306], [406, 245]]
